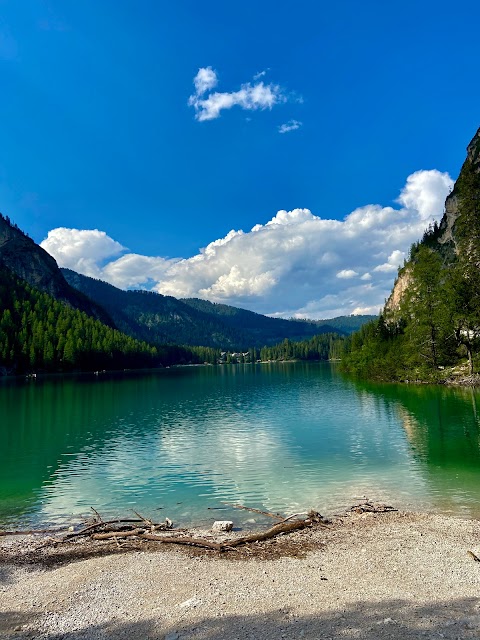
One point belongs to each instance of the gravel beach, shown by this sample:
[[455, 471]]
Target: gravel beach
[[391, 575]]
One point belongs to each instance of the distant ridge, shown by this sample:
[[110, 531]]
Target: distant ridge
[[164, 319]]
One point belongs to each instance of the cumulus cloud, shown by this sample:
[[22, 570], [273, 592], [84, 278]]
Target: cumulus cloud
[[250, 97], [82, 250], [424, 192], [395, 259], [346, 274], [296, 264], [291, 125], [205, 80], [90, 252]]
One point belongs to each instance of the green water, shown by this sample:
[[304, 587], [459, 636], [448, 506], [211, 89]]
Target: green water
[[180, 442]]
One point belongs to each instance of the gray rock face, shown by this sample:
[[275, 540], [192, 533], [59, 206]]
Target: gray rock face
[[451, 203], [447, 228]]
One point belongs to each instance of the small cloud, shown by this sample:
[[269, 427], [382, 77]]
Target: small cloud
[[205, 80], [260, 74], [291, 125], [255, 96], [366, 276], [395, 259], [347, 273], [366, 311]]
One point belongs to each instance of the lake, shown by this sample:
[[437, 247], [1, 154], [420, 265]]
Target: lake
[[182, 441]]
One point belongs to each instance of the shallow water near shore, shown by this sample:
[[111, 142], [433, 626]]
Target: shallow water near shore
[[280, 437]]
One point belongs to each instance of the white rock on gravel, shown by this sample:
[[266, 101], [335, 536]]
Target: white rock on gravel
[[222, 525]]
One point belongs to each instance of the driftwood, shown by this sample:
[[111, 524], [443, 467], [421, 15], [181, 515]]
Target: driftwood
[[143, 528], [474, 556], [278, 529], [371, 507], [117, 534]]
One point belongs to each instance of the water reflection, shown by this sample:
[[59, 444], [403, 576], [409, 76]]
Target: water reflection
[[442, 425], [283, 437]]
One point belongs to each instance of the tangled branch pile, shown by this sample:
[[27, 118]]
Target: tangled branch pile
[[141, 528]]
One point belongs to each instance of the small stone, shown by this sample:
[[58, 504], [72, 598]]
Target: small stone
[[191, 602], [172, 636], [222, 525]]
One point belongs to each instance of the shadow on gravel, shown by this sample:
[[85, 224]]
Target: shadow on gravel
[[394, 619], [12, 623], [6, 575]]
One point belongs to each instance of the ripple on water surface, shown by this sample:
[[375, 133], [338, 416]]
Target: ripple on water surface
[[283, 437]]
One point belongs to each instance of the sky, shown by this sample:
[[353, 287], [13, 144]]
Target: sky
[[275, 156]]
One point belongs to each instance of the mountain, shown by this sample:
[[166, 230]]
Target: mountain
[[442, 238], [343, 324], [151, 316], [21, 256], [430, 327], [41, 334]]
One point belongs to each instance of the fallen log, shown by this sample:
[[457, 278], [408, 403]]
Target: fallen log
[[117, 534], [276, 530], [105, 523], [97, 525]]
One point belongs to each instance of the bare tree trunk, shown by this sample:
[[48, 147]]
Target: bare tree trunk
[[470, 359]]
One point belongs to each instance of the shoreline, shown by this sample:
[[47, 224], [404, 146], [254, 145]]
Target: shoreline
[[371, 575]]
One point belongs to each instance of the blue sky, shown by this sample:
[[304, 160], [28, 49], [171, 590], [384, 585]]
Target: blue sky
[[97, 133]]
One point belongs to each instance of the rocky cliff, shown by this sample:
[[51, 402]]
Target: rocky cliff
[[447, 223], [445, 238]]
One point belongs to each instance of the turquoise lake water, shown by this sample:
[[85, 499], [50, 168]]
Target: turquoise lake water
[[281, 437]]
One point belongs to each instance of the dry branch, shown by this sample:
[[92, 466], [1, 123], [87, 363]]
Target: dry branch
[[117, 534], [474, 556], [276, 530], [145, 529]]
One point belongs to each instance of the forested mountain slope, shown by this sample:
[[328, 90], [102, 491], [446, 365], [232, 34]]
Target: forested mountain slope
[[20, 255], [163, 319], [40, 333], [431, 322]]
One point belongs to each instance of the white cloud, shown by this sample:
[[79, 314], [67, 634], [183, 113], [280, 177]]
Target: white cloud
[[424, 192], [260, 74], [250, 97], [133, 270], [82, 250], [395, 259], [205, 80], [86, 251], [346, 274], [296, 264], [291, 125]]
